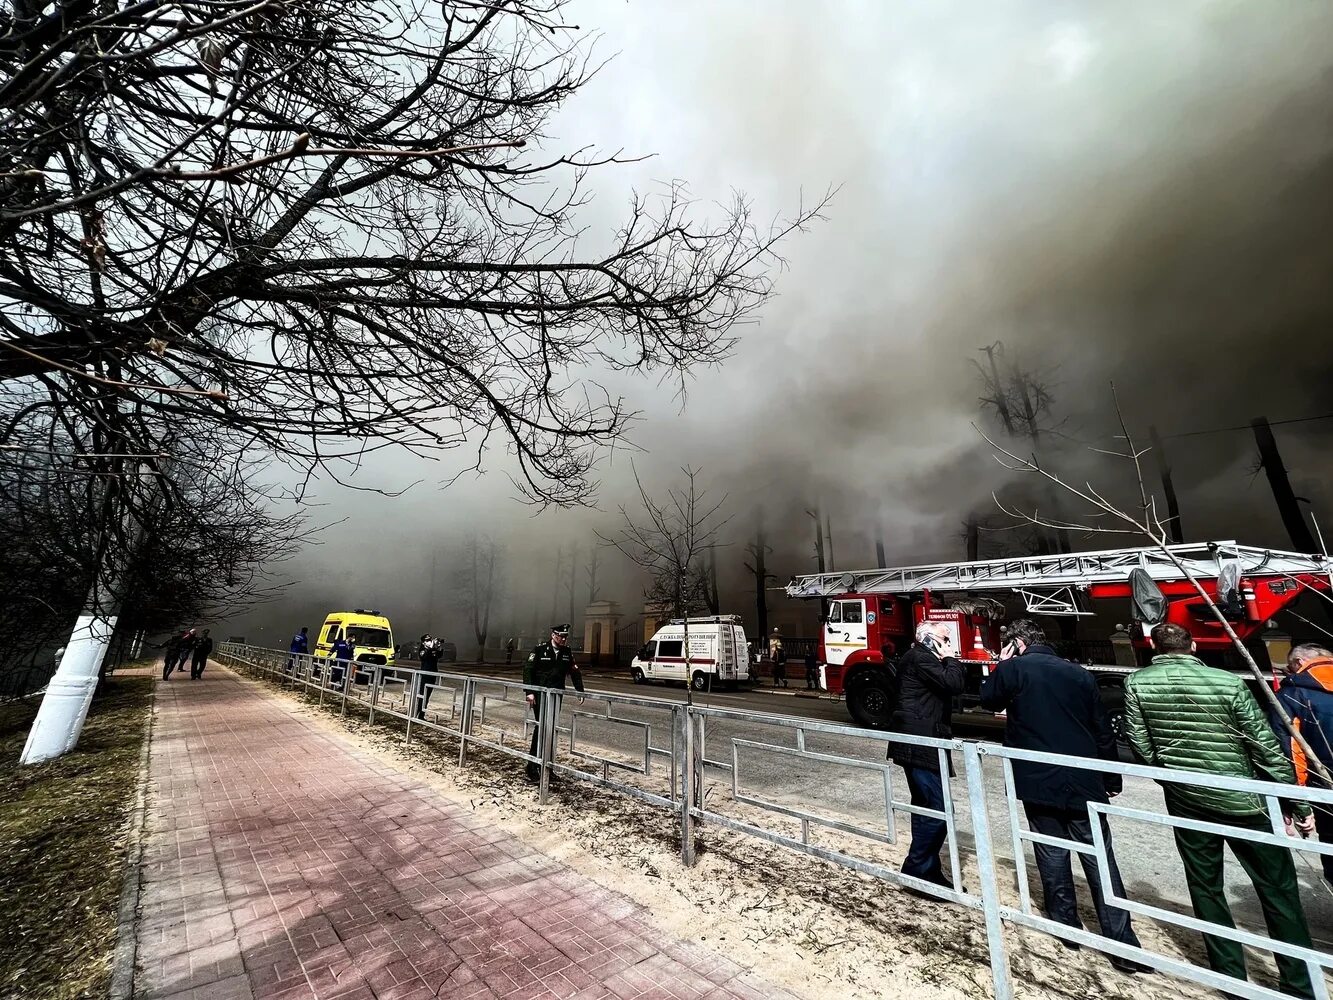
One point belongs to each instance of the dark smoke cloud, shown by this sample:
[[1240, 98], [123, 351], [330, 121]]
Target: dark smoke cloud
[[1140, 192]]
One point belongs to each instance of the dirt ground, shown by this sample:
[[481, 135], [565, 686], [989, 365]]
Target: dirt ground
[[818, 929]]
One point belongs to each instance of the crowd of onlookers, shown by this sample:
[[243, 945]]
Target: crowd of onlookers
[[192, 647], [1180, 713]]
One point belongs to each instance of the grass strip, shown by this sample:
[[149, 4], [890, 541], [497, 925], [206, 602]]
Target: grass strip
[[63, 842]]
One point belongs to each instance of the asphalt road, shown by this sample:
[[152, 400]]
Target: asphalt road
[[1146, 852]]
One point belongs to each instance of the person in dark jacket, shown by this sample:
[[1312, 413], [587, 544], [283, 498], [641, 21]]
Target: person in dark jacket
[[430, 662], [1053, 706], [203, 648], [1307, 695], [171, 655], [341, 656], [929, 677], [811, 671], [300, 647], [548, 665]]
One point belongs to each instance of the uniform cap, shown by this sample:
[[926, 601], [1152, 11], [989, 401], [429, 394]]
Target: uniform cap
[[560, 629]]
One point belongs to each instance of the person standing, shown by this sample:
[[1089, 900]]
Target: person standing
[[1306, 692], [778, 654], [300, 647], [1053, 706], [203, 647], [811, 671], [548, 665], [1181, 713], [342, 654], [430, 662], [510, 646], [929, 677]]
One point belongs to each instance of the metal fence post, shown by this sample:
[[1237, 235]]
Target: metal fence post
[[545, 729], [465, 723], [687, 786], [374, 692], [990, 893]]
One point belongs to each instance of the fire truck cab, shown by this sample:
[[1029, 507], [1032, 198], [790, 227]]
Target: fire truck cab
[[871, 616]]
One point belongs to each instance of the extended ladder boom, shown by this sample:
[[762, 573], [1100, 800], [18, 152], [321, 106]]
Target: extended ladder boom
[[1074, 569]]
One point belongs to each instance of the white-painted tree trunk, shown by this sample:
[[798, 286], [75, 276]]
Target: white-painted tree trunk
[[65, 704]]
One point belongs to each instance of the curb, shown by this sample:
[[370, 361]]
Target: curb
[[123, 959]]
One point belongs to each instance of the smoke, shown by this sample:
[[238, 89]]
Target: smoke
[[1139, 193]]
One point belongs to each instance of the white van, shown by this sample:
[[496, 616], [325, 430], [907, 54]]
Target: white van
[[717, 653]]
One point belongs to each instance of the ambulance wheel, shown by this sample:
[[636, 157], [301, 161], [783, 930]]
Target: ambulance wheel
[[869, 700], [637, 674], [700, 681]]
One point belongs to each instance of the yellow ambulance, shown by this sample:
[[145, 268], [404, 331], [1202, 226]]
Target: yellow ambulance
[[368, 632]]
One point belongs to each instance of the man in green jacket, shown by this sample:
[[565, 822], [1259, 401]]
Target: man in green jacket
[[1181, 713]]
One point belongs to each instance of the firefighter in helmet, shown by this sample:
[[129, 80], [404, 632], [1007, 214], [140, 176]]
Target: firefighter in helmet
[[548, 665]]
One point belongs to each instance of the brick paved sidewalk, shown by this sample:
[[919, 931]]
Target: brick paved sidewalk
[[284, 862]]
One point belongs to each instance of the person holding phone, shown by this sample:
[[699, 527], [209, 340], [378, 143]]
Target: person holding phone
[[929, 677], [1054, 706]]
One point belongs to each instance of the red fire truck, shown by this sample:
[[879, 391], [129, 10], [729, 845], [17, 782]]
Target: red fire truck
[[871, 615]]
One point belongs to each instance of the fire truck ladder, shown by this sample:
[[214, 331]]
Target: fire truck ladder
[[1049, 584]]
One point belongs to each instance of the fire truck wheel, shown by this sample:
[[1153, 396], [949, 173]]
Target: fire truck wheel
[[869, 700], [637, 674], [699, 681], [1113, 698]]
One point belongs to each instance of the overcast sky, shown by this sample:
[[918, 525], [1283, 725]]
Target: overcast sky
[[1137, 191]]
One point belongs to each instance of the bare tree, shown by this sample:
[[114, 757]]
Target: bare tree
[[201, 536], [1022, 401], [478, 582], [1144, 521], [669, 538], [339, 225], [758, 551]]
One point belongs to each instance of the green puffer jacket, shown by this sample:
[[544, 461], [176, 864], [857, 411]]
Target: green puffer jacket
[[1183, 714]]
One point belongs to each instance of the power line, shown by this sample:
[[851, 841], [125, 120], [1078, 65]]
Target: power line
[[1246, 427]]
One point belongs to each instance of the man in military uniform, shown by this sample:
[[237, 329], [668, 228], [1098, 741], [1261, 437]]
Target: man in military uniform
[[547, 666]]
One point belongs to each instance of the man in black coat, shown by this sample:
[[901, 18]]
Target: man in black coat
[[929, 677], [548, 665], [200, 652], [1053, 706]]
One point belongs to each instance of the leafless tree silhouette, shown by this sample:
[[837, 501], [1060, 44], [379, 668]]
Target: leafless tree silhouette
[[334, 226]]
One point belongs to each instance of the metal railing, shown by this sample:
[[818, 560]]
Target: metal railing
[[658, 751]]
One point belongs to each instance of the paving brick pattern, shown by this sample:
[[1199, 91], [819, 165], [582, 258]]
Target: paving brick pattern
[[284, 863]]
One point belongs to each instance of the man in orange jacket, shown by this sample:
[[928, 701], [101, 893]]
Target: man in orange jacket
[[1307, 695]]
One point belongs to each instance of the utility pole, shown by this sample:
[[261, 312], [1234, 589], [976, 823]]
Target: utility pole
[[972, 534], [1270, 460], [828, 534], [1168, 487], [880, 561]]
